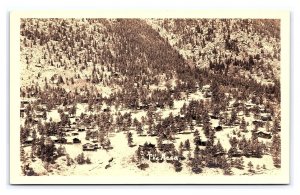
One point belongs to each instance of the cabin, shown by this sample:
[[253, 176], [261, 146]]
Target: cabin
[[142, 106], [75, 134], [53, 139], [258, 123], [181, 116], [97, 146], [236, 154], [22, 112], [67, 129], [69, 140], [249, 105], [28, 140], [181, 95], [206, 88], [106, 109], [212, 116], [48, 142], [261, 134], [76, 141], [229, 108], [25, 102], [81, 129], [39, 114], [207, 94], [159, 105], [88, 147], [115, 74], [261, 108], [219, 154], [266, 117], [218, 128], [62, 140], [85, 100], [35, 120]]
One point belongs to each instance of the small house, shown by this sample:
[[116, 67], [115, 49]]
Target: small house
[[266, 117], [88, 147], [97, 146], [206, 88], [159, 105], [75, 134], [25, 102], [107, 109], [48, 141], [76, 141], [249, 105], [236, 154], [67, 129], [219, 154], [22, 110], [261, 134], [218, 128], [69, 140], [62, 140], [28, 140], [212, 116], [81, 129], [39, 114], [261, 108], [207, 94], [258, 123], [54, 139]]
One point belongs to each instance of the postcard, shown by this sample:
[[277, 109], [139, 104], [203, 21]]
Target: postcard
[[149, 97]]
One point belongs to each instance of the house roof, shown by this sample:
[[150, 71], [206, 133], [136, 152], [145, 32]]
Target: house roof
[[53, 138], [29, 138]]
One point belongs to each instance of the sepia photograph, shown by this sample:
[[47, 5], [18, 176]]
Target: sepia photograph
[[149, 98]]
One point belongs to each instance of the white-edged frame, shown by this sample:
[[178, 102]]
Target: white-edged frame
[[282, 178]]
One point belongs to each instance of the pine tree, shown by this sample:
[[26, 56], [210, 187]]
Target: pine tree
[[233, 117], [22, 154], [250, 166], [80, 159], [139, 155], [276, 126], [177, 166], [129, 139], [276, 150], [69, 160], [243, 125], [139, 129], [88, 160], [180, 151], [187, 145], [197, 139]]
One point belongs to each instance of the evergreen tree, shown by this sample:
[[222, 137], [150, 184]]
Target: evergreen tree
[[177, 166], [250, 166], [139, 155], [276, 150], [187, 145], [129, 139], [80, 159], [197, 139], [243, 125]]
